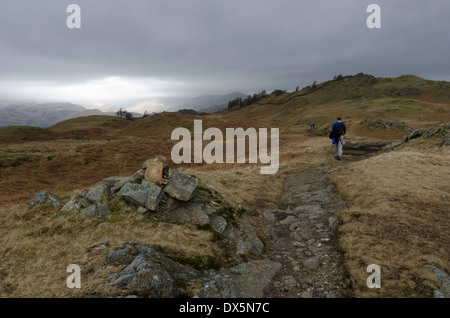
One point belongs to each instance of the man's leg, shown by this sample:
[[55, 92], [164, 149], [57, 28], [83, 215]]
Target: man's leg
[[340, 146], [336, 149]]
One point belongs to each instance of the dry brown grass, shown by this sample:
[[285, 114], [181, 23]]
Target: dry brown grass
[[397, 219], [37, 247], [401, 225]]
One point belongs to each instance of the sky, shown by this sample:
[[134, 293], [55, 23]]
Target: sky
[[137, 51]]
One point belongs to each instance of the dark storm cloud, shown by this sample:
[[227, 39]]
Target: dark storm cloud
[[218, 46]]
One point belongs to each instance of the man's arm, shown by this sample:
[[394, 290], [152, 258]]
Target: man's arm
[[333, 130]]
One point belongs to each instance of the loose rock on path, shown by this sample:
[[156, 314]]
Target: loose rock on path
[[301, 235]]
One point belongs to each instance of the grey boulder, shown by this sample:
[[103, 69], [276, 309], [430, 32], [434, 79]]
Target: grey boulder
[[146, 194], [45, 197], [181, 186], [99, 192]]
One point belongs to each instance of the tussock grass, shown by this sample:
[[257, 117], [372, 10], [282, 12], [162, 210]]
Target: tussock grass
[[38, 245], [397, 219]]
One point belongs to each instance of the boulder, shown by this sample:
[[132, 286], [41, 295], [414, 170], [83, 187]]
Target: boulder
[[89, 212], [444, 289], [45, 197], [160, 158], [218, 223], [154, 171], [100, 210], [72, 205], [85, 203], [119, 184], [112, 180], [194, 213], [154, 195], [447, 141], [149, 271], [246, 280], [146, 194], [103, 210], [147, 277], [415, 134], [181, 186], [248, 241], [431, 132], [99, 192]]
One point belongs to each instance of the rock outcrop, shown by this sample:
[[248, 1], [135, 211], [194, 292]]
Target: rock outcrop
[[440, 131], [246, 280], [176, 199], [150, 273], [45, 197]]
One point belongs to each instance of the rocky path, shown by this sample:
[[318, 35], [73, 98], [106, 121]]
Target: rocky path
[[301, 235]]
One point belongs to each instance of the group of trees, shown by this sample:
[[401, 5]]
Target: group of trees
[[250, 99], [121, 113]]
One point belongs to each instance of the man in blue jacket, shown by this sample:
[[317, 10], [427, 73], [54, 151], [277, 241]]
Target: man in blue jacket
[[337, 136]]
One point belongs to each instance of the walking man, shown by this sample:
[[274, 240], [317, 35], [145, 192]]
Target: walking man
[[337, 136]]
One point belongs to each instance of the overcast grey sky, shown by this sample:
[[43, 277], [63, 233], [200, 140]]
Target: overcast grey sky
[[142, 49]]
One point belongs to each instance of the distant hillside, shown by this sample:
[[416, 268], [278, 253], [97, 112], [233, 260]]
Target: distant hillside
[[104, 122], [208, 103], [41, 115], [363, 86], [87, 127], [371, 106]]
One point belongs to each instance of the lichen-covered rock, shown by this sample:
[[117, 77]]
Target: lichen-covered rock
[[218, 223], [99, 192], [45, 197], [154, 194], [194, 213], [181, 186], [149, 271], [110, 181], [146, 194], [119, 184], [99, 209], [246, 280], [89, 212]]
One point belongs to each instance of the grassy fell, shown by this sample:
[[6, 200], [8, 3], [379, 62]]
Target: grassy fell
[[396, 216], [397, 219]]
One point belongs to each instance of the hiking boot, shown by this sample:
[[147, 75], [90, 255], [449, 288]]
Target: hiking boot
[[338, 158]]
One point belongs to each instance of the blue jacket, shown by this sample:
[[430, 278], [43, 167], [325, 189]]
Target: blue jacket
[[335, 128]]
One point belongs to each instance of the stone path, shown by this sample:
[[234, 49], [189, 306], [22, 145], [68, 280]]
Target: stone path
[[301, 235]]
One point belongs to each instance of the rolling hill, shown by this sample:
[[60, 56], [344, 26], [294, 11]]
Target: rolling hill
[[41, 115], [396, 199]]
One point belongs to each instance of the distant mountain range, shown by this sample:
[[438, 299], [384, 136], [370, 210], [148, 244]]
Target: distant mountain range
[[47, 114], [42, 115]]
